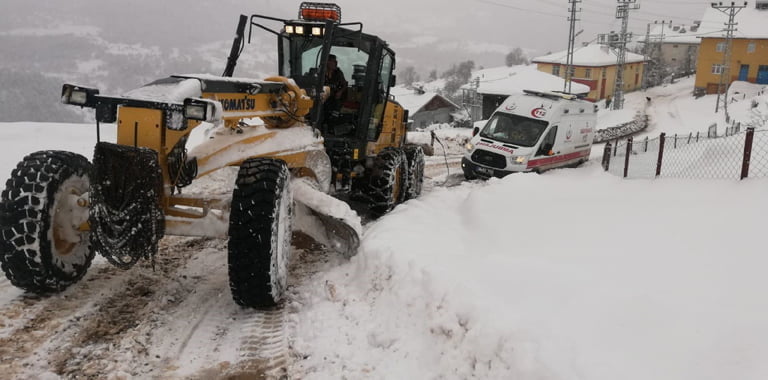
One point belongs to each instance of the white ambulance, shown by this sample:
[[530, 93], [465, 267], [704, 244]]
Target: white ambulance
[[534, 131]]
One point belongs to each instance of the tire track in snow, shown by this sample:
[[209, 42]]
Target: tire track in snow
[[79, 335], [30, 320]]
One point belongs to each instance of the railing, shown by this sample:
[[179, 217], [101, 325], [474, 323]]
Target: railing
[[735, 155]]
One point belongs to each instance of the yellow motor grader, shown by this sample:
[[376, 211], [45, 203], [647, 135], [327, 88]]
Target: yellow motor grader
[[58, 209]]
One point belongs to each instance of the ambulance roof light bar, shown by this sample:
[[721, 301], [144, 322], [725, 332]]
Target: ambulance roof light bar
[[311, 11], [551, 94]]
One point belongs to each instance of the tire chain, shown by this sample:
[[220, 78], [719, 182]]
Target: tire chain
[[24, 257]]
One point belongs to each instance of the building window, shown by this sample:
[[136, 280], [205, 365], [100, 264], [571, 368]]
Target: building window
[[605, 73], [556, 70], [717, 68], [720, 47], [751, 47], [588, 73]]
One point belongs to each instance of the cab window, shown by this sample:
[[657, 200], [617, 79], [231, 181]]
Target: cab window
[[382, 89]]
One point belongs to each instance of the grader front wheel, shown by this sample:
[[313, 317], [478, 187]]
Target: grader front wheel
[[260, 227], [43, 249]]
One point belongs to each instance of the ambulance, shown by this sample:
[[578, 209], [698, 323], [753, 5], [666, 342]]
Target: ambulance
[[532, 132]]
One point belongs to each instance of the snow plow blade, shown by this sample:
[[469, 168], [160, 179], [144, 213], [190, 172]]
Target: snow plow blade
[[326, 219]]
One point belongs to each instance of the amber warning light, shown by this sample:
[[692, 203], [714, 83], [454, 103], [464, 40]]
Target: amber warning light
[[320, 11]]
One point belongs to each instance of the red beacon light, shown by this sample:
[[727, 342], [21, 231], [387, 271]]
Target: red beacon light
[[319, 12]]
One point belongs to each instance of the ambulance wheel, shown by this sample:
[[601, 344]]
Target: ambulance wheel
[[415, 161], [260, 226], [386, 187], [43, 249]]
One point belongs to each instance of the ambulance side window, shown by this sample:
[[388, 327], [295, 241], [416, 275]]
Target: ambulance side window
[[548, 142]]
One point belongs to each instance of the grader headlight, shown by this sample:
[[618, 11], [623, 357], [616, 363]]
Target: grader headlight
[[200, 109], [76, 95]]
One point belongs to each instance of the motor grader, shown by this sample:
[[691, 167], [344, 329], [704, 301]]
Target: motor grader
[[58, 208]]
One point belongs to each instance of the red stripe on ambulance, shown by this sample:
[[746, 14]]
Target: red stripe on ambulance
[[557, 159]]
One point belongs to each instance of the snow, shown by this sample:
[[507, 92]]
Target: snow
[[513, 80], [751, 22], [168, 92], [571, 274], [413, 101], [590, 55]]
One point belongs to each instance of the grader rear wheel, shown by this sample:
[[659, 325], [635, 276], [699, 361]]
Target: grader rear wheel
[[387, 186]]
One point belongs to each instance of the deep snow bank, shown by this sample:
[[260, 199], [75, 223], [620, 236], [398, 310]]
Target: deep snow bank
[[570, 274]]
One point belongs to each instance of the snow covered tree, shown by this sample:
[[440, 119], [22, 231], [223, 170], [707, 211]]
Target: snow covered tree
[[433, 75], [408, 75], [457, 76], [517, 57]]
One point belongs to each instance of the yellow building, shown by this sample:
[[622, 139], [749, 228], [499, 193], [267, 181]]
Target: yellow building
[[749, 50], [595, 66]]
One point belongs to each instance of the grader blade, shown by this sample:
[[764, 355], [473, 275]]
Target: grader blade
[[334, 224]]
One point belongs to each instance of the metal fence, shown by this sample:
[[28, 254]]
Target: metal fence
[[736, 155]]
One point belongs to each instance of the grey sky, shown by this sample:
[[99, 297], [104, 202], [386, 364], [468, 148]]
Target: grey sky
[[425, 33]]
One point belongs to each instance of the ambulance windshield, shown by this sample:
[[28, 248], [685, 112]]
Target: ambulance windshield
[[513, 129]]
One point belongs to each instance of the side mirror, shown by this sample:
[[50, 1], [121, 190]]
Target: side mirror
[[475, 131], [393, 81]]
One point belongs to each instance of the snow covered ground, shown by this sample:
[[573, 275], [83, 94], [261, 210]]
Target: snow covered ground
[[572, 274]]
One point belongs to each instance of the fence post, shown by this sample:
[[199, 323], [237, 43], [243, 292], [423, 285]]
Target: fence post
[[607, 156], [747, 152], [697, 136], [675, 145], [645, 149], [626, 159], [690, 136], [615, 146], [662, 138]]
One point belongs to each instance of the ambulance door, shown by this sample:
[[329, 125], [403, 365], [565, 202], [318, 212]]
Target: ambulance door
[[548, 145]]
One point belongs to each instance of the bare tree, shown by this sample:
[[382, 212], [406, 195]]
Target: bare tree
[[517, 57]]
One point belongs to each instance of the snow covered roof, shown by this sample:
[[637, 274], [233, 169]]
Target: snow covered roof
[[590, 55], [751, 23], [513, 80], [413, 101], [674, 34]]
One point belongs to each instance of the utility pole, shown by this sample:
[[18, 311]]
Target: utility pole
[[571, 43], [646, 56], [658, 55], [618, 43], [725, 73]]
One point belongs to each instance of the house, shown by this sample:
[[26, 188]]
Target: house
[[490, 87], [749, 49], [674, 47], [595, 66], [424, 108]]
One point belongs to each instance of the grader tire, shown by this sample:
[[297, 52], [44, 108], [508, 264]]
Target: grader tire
[[43, 249], [415, 156], [388, 181], [260, 226]]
